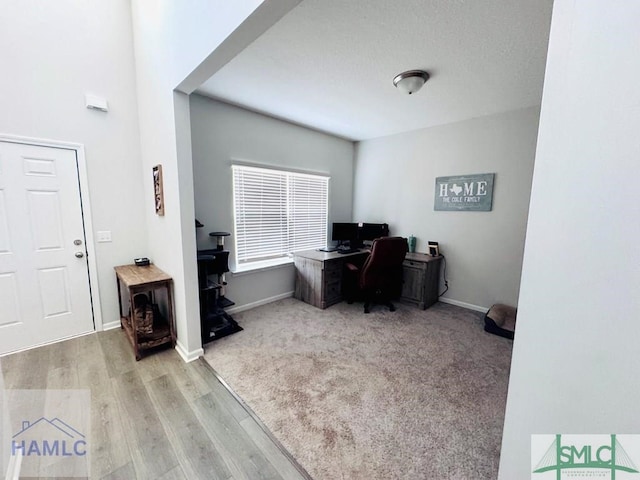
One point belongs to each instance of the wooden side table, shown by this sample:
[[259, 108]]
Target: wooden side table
[[138, 280], [421, 277]]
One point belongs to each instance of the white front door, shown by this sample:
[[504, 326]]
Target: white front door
[[44, 280]]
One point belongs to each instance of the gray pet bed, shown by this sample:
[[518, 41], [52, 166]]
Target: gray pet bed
[[501, 320]]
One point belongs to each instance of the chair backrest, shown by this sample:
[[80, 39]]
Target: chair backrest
[[383, 268]]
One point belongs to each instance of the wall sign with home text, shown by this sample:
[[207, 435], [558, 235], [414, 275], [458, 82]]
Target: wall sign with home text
[[464, 193]]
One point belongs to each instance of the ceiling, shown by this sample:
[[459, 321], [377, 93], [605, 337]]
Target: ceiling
[[329, 64]]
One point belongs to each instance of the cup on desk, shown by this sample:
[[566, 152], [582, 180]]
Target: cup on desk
[[412, 244]]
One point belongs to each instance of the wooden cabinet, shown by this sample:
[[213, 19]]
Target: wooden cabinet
[[332, 282], [421, 279], [319, 276], [155, 283]]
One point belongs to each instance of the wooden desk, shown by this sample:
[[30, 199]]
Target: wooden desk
[[420, 279], [145, 279], [319, 275]]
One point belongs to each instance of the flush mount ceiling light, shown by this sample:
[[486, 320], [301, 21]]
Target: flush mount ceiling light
[[411, 81]]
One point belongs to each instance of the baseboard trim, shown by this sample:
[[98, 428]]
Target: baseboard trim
[[259, 303], [111, 325], [188, 356], [458, 303]]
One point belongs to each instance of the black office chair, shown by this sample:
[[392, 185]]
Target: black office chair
[[380, 278]]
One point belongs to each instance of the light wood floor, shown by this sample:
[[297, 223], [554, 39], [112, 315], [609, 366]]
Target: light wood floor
[[158, 418]]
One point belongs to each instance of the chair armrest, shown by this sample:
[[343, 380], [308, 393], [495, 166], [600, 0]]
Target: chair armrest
[[351, 267]]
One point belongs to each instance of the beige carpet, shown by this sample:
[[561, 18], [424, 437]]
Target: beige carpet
[[409, 394]]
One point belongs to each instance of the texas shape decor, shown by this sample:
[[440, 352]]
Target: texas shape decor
[[464, 193]]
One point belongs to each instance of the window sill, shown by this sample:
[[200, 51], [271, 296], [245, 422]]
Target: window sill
[[261, 266]]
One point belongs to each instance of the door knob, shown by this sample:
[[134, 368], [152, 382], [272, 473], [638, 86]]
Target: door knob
[[79, 254]]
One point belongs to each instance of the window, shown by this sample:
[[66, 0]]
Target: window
[[277, 213]]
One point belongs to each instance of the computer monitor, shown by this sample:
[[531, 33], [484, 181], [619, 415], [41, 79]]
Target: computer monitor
[[344, 232], [371, 231]]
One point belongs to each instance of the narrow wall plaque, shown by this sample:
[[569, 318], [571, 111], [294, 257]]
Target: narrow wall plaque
[[158, 191]]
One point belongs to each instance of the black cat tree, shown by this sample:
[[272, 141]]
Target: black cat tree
[[213, 264]]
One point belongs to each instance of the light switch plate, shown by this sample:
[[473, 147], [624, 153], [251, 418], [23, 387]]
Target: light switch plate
[[104, 236]]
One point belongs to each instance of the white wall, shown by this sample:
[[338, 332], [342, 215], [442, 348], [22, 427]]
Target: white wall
[[52, 54], [171, 41], [576, 352], [221, 133], [395, 182]]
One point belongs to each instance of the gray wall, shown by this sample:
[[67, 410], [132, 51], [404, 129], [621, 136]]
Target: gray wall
[[222, 133], [576, 356], [54, 53], [176, 44], [395, 181]]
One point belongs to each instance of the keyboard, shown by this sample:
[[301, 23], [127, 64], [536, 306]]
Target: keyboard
[[348, 250]]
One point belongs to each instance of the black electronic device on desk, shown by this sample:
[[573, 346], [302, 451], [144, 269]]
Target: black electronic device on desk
[[346, 234], [141, 262], [371, 231], [352, 236]]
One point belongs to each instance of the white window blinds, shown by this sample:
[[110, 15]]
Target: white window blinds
[[278, 212]]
